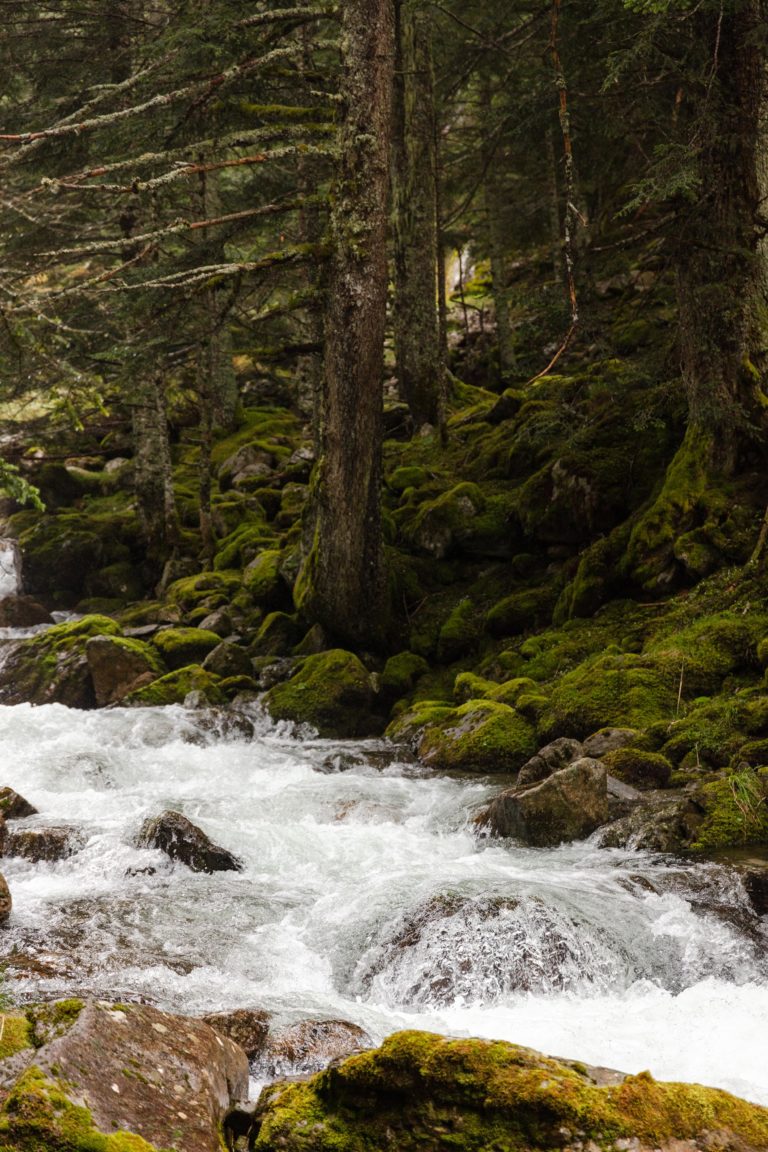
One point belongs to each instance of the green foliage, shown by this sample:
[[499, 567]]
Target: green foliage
[[17, 487]]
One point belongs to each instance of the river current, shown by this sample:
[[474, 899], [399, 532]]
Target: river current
[[367, 896]]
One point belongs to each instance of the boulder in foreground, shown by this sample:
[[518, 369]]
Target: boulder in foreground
[[88, 1077], [427, 1093], [569, 805]]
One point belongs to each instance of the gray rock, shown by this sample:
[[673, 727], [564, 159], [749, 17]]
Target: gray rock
[[551, 758], [622, 798], [118, 669], [228, 660], [182, 840], [309, 1046], [218, 621], [662, 823], [569, 805], [608, 740]]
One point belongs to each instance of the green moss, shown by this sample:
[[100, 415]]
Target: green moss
[[709, 649], [407, 476], [622, 691], [16, 1035], [51, 665], [523, 611], [176, 686], [278, 635], [190, 590], [48, 1021], [460, 632], [428, 1093], [638, 767], [331, 691], [182, 646], [736, 810], [469, 686], [242, 545], [263, 581], [38, 1116], [401, 673], [479, 736]]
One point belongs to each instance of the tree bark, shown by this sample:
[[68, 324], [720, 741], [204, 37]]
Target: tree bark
[[497, 240], [721, 265], [414, 218], [341, 583], [153, 485]]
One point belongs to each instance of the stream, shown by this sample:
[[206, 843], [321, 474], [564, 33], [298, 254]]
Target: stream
[[366, 896]]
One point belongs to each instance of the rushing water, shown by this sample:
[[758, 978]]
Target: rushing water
[[366, 896]]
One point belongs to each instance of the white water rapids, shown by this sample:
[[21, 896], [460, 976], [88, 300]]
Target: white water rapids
[[366, 896]]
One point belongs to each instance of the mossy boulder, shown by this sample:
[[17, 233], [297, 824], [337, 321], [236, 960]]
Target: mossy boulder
[[176, 687], [522, 611], [440, 525], [182, 646], [52, 667], [278, 635], [736, 810], [119, 665], [479, 736], [331, 691], [638, 767], [401, 672], [460, 633], [264, 581], [621, 690], [429, 1093]]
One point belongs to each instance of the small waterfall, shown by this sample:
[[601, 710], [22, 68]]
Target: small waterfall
[[10, 569]]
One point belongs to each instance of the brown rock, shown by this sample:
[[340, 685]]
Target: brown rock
[[569, 805], [22, 612], [608, 740], [166, 1078], [310, 1046], [551, 758], [6, 901], [13, 806], [43, 843], [118, 667], [182, 840], [248, 1027]]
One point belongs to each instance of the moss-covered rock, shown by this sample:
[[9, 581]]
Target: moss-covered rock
[[479, 736], [401, 673], [52, 667], [278, 635], [264, 581], [182, 646], [331, 691], [460, 632], [119, 665], [736, 810], [638, 767], [522, 611], [425, 1092], [621, 690], [176, 687]]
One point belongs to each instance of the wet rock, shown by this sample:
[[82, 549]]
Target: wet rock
[[228, 660], [608, 740], [52, 667], [167, 1079], [756, 883], [340, 761], [6, 901], [569, 805], [218, 621], [22, 612], [49, 844], [662, 823], [120, 665], [247, 1027], [309, 1046], [550, 759], [622, 798], [417, 1088], [332, 692], [182, 840], [13, 806], [222, 724]]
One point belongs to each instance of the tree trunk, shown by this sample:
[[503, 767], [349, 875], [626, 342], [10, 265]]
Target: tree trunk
[[414, 217], [497, 240], [341, 583], [153, 485], [721, 266]]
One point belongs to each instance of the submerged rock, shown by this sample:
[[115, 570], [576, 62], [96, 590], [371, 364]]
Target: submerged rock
[[110, 1078], [182, 840], [664, 822], [426, 1092], [569, 805]]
